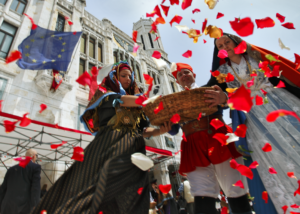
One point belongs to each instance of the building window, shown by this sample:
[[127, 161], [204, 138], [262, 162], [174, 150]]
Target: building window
[[92, 48], [83, 43], [3, 2], [90, 67], [127, 58], [81, 67], [99, 52], [138, 74], [115, 57], [169, 143], [150, 40], [81, 109], [7, 33], [60, 23], [144, 47], [158, 44], [18, 6], [131, 63], [121, 56], [158, 80], [173, 87], [154, 78]]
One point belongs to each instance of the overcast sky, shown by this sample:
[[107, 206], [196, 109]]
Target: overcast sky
[[123, 13]]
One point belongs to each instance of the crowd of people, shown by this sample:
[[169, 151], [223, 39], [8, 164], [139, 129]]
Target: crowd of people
[[108, 182]]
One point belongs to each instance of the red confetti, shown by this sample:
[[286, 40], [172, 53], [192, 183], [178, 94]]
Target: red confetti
[[271, 117], [266, 22], [34, 26], [156, 11], [199, 116], [187, 54], [250, 83], [204, 25], [55, 146], [288, 25], [91, 123], [153, 28], [193, 20], [259, 100], [156, 54], [272, 170], [280, 17], [216, 123], [241, 48], [70, 23], [265, 196], [241, 130], [165, 188], [229, 77], [23, 161], [280, 85], [134, 35], [224, 210], [102, 89], [219, 15], [210, 151], [285, 207], [267, 147], [291, 174], [140, 190], [254, 165], [175, 118], [240, 184], [148, 79], [78, 154], [221, 138], [159, 108], [245, 171], [295, 206], [85, 79], [215, 73], [243, 27], [184, 137], [185, 4], [141, 99], [165, 9], [196, 10], [174, 2], [222, 54], [43, 107], [25, 121], [176, 19], [14, 55], [156, 38], [204, 41], [241, 99], [298, 190], [9, 126]]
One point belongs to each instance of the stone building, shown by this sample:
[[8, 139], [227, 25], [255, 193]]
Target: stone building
[[102, 44]]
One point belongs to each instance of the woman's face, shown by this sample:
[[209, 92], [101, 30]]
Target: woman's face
[[224, 43], [125, 78]]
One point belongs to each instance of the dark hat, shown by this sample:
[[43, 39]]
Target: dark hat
[[153, 181]]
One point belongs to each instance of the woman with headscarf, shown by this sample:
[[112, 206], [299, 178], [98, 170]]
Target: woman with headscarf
[[107, 181], [283, 134]]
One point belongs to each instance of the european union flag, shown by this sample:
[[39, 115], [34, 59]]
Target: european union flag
[[46, 49]]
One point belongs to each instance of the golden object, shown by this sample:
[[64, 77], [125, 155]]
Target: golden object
[[221, 78], [211, 3], [213, 31], [192, 33], [231, 90]]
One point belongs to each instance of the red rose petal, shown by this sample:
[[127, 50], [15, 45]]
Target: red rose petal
[[91, 123], [295, 206], [134, 35], [280, 17], [78, 154], [298, 190], [204, 41], [240, 184], [264, 92], [243, 27], [141, 99], [291, 174], [272, 170], [216, 123], [175, 118], [221, 138], [156, 54], [185, 4], [23, 161], [55, 146], [43, 107], [199, 116], [102, 89], [267, 147], [165, 188], [187, 54], [265, 196], [259, 100], [25, 121], [285, 207], [159, 108], [34, 26], [241, 48], [233, 164], [70, 23], [288, 25], [271, 117], [241, 130], [215, 73], [184, 137], [193, 20], [165, 9], [229, 77], [254, 165], [176, 19], [156, 11], [156, 38], [85, 79], [264, 23], [148, 79], [224, 210], [176, 153], [222, 54], [219, 15], [245, 171], [43, 212], [14, 55], [241, 99], [174, 2], [204, 25], [140, 190], [196, 10], [280, 85]]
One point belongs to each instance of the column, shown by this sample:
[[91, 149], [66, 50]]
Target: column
[[87, 51], [118, 55], [96, 49], [7, 6]]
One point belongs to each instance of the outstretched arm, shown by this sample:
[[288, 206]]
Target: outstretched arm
[[152, 132]]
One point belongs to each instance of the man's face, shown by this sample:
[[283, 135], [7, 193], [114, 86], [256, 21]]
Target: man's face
[[185, 78]]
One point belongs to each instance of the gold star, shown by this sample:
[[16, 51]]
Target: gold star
[[62, 50], [53, 60], [32, 40], [27, 46], [27, 54], [33, 60], [60, 38], [42, 37], [44, 62], [63, 43], [52, 35], [59, 56]]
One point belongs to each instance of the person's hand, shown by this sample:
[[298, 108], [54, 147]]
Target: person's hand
[[165, 128], [217, 97]]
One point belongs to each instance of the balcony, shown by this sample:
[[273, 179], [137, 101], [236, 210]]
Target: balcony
[[44, 80]]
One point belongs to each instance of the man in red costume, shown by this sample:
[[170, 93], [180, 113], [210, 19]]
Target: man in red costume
[[203, 159]]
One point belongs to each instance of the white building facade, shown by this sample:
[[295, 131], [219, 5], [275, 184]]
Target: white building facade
[[101, 44]]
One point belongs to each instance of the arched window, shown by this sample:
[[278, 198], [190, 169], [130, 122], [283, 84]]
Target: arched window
[[144, 47], [138, 74], [18, 6], [115, 57], [150, 38]]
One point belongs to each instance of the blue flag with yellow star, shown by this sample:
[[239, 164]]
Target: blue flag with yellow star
[[46, 49]]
